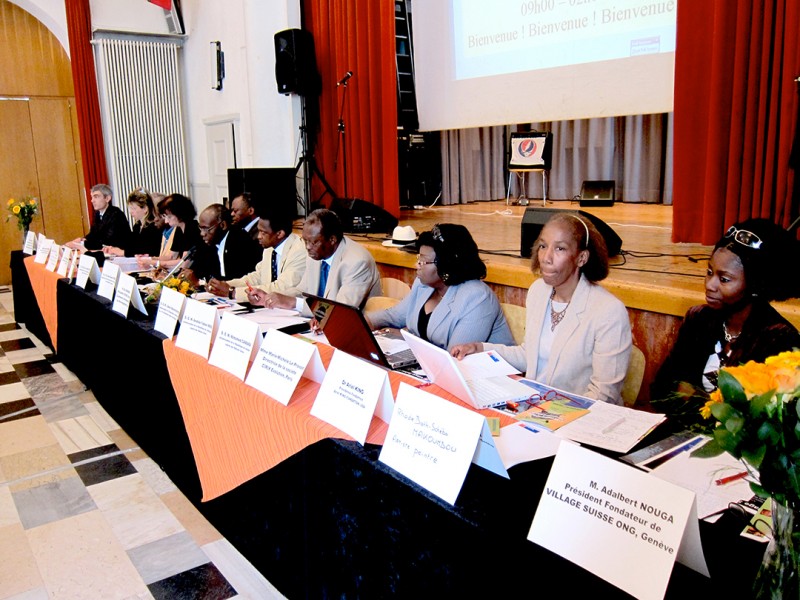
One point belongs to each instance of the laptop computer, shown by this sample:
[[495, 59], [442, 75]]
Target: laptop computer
[[449, 374], [348, 330]]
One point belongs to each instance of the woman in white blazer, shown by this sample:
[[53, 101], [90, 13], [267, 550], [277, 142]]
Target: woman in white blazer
[[448, 303], [578, 335]]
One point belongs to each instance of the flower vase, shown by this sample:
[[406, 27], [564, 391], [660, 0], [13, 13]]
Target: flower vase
[[25, 230], [778, 575]]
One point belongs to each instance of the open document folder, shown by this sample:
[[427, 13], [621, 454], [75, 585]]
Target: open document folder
[[479, 379]]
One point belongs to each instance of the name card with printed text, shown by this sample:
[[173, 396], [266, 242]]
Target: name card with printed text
[[613, 505], [127, 294], [350, 393], [43, 251], [234, 344], [431, 441], [280, 363], [170, 311], [30, 243], [198, 326], [87, 271], [108, 280], [63, 265], [52, 258]]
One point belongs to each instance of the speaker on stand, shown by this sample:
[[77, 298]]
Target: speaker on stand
[[535, 218]]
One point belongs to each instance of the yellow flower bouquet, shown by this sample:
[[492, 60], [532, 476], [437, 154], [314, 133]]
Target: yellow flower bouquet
[[23, 210], [758, 422], [179, 284]]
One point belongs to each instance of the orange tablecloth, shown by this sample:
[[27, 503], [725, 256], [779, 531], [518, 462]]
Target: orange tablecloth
[[237, 432], [43, 283]]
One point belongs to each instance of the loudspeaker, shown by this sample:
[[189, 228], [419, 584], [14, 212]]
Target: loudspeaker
[[273, 188], [534, 219], [295, 64], [600, 192], [360, 216]]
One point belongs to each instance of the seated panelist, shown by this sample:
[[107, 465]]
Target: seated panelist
[[336, 267], [448, 303], [110, 226], [282, 265], [145, 238], [578, 335], [226, 251], [746, 271]]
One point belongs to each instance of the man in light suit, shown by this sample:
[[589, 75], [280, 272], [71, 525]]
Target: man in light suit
[[276, 237], [336, 268]]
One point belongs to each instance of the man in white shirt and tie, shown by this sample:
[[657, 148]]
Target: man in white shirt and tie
[[336, 267], [282, 264]]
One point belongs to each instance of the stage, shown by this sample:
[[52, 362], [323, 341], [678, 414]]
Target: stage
[[657, 280]]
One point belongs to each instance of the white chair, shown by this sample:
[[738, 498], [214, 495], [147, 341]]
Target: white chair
[[633, 378], [394, 288], [515, 316]]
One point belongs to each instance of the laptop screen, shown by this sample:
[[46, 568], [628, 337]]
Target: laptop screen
[[346, 329]]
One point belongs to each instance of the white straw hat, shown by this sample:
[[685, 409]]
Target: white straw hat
[[402, 236]]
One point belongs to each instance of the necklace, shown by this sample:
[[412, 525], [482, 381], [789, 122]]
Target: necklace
[[555, 317], [729, 337]]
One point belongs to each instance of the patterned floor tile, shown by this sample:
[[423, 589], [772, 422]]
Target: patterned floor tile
[[105, 469], [98, 566], [52, 502], [13, 391], [22, 356], [78, 434], [31, 368], [25, 434], [135, 513], [198, 527], [167, 557], [240, 573], [21, 343], [57, 400], [8, 510], [201, 582], [13, 334], [154, 476], [9, 327], [15, 406], [35, 464], [9, 377], [18, 570]]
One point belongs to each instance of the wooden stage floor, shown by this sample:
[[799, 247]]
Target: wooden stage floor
[[652, 273]]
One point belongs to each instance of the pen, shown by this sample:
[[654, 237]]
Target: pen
[[614, 425], [731, 478], [249, 287]]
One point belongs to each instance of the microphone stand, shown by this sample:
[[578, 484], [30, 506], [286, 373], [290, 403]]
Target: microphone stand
[[341, 140]]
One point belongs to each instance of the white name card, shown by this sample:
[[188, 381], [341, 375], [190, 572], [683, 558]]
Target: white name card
[[198, 325], [349, 394], [87, 271], [170, 310], [127, 294], [108, 280], [30, 243], [280, 363], [431, 441], [63, 265], [43, 251], [613, 506], [52, 258], [73, 264], [235, 344]]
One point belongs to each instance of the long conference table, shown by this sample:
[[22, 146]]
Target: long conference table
[[314, 511]]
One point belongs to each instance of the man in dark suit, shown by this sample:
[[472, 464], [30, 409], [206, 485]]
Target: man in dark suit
[[110, 226], [228, 251], [244, 214]]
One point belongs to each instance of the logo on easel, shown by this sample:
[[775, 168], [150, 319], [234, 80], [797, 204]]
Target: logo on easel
[[527, 148]]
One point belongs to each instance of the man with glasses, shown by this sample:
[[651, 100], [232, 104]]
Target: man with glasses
[[336, 267], [227, 251]]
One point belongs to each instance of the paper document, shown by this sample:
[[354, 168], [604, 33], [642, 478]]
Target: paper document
[[615, 428], [549, 407], [716, 481], [521, 442], [128, 264], [483, 365]]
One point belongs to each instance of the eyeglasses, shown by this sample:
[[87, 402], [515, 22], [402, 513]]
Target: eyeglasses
[[422, 263], [534, 403], [744, 237], [208, 229], [437, 234]]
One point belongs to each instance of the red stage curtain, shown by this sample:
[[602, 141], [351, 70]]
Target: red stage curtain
[[735, 110], [357, 36], [90, 130]]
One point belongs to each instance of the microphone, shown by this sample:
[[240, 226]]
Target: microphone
[[189, 256], [344, 79]]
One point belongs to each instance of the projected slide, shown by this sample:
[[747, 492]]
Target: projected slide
[[509, 36]]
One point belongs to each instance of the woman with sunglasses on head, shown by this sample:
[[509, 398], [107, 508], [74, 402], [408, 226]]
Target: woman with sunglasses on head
[[577, 335], [746, 271], [448, 303]]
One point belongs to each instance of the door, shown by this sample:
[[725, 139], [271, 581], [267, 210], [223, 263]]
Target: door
[[222, 155]]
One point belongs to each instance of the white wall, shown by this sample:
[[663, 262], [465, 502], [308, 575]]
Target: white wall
[[269, 122]]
